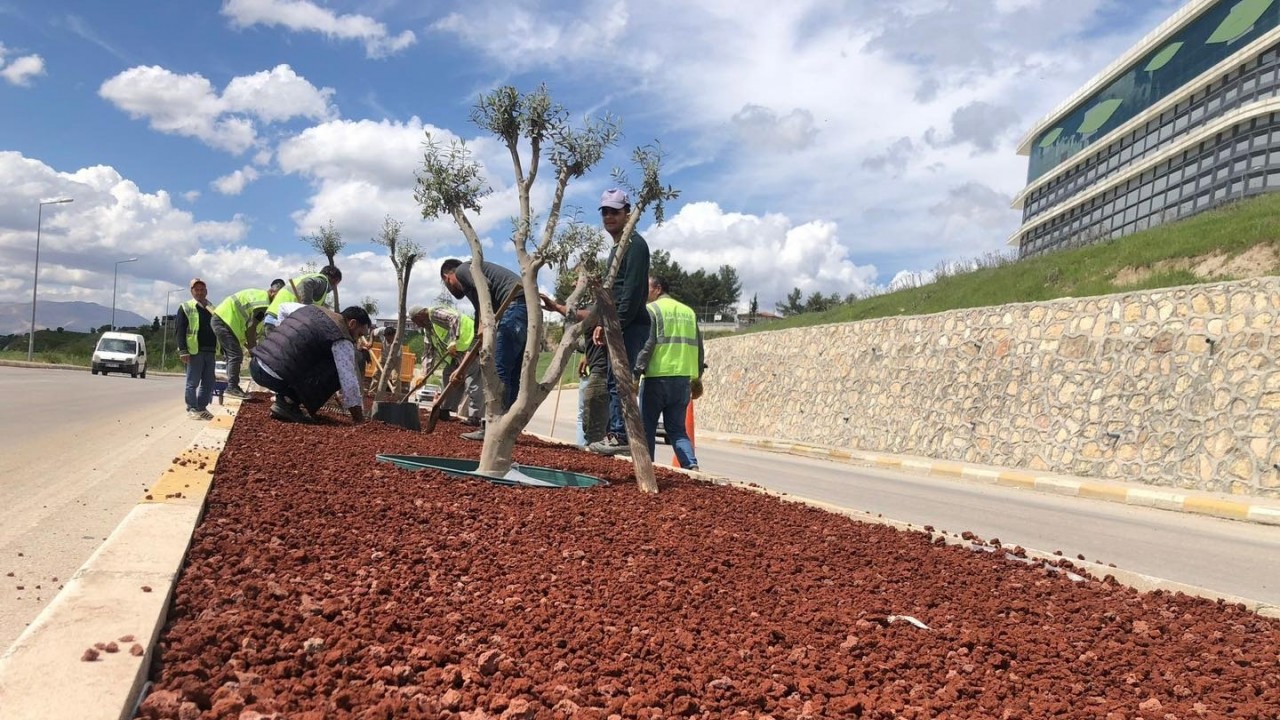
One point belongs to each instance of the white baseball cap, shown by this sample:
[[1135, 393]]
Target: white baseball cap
[[614, 198]]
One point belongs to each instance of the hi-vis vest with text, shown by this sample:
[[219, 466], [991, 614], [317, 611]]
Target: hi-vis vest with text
[[676, 351]]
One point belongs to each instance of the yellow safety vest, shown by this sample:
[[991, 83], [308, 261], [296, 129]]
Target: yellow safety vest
[[676, 351]]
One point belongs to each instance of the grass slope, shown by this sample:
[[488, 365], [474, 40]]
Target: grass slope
[[1159, 255]]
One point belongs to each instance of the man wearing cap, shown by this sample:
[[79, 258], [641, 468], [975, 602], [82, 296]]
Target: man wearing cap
[[630, 292], [197, 349], [512, 329], [451, 333], [307, 358], [235, 323]]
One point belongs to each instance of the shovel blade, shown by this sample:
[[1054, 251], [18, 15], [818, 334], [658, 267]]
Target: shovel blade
[[400, 414]]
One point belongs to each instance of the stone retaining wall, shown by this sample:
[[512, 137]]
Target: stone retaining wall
[[1177, 387]]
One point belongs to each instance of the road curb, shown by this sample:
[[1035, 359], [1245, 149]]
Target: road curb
[[1247, 510], [120, 595]]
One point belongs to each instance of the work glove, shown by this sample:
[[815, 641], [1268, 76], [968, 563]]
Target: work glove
[[695, 389], [453, 348]]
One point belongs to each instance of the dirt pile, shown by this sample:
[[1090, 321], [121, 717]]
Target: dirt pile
[[321, 584]]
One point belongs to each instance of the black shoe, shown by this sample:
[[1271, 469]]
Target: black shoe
[[446, 415], [288, 413], [472, 421]]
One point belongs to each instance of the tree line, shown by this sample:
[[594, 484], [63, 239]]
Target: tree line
[[708, 293]]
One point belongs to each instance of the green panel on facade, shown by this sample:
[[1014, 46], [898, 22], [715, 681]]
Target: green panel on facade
[[1098, 115], [1218, 32], [1243, 15], [1048, 139], [1163, 57]]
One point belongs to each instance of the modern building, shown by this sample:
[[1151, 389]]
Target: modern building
[[1186, 120]]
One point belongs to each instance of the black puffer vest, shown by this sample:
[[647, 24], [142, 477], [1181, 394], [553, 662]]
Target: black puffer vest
[[300, 351]]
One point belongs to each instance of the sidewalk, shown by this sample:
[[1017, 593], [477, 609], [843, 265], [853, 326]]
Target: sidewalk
[[117, 600]]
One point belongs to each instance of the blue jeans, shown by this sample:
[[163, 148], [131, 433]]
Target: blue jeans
[[633, 339], [200, 375], [508, 349], [668, 397]]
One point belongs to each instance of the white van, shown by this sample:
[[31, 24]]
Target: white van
[[120, 352]]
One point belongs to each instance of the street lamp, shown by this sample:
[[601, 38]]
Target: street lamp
[[113, 289], [164, 344], [35, 279]]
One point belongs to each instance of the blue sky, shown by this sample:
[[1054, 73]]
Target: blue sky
[[832, 146]]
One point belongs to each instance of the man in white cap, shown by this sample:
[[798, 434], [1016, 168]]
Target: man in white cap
[[630, 294], [197, 349]]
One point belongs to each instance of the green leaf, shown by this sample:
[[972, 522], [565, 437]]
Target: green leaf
[[1098, 115], [1163, 57], [1051, 137], [1239, 21]]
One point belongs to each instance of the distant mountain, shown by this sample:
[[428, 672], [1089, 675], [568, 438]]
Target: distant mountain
[[71, 316]]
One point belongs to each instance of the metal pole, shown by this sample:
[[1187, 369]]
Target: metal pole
[[113, 289], [164, 344], [114, 278], [35, 278]]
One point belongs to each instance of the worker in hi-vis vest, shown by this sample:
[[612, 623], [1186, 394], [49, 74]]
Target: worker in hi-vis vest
[[451, 333], [671, 363], [197, 349], [310, 289], [236, 321]]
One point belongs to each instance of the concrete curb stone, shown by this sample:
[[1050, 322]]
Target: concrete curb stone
[[120, 595]]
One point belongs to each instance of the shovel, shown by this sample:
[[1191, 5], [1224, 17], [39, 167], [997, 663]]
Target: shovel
[[460, 373], [404, 413]]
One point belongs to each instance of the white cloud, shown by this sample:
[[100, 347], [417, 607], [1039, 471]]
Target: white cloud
[[363, 171], [771, 254], [305, 16], [882, 110], [179, 105], [529, 32], [191, 195], [276, 95], [236, 182], [110, 219], [189, 105], [763, 128], [20, 70]]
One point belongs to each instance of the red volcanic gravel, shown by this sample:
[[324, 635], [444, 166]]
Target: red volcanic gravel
[[322, 584]]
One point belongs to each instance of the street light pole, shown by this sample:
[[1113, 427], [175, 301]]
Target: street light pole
[[35, 279], [164, 343], [113, 289]]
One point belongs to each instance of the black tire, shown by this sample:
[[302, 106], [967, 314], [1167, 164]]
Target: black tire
[[143, 374], [134, 372], [93, 369]]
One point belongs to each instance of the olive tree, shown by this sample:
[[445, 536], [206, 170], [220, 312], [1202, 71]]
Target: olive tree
[[328, 242], [534, 129], [404, 255]]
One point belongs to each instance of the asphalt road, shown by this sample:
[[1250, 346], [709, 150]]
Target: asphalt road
[[1228, 556], [76, 453]]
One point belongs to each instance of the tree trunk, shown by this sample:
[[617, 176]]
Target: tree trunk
[[626, 393], [337, 307]]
